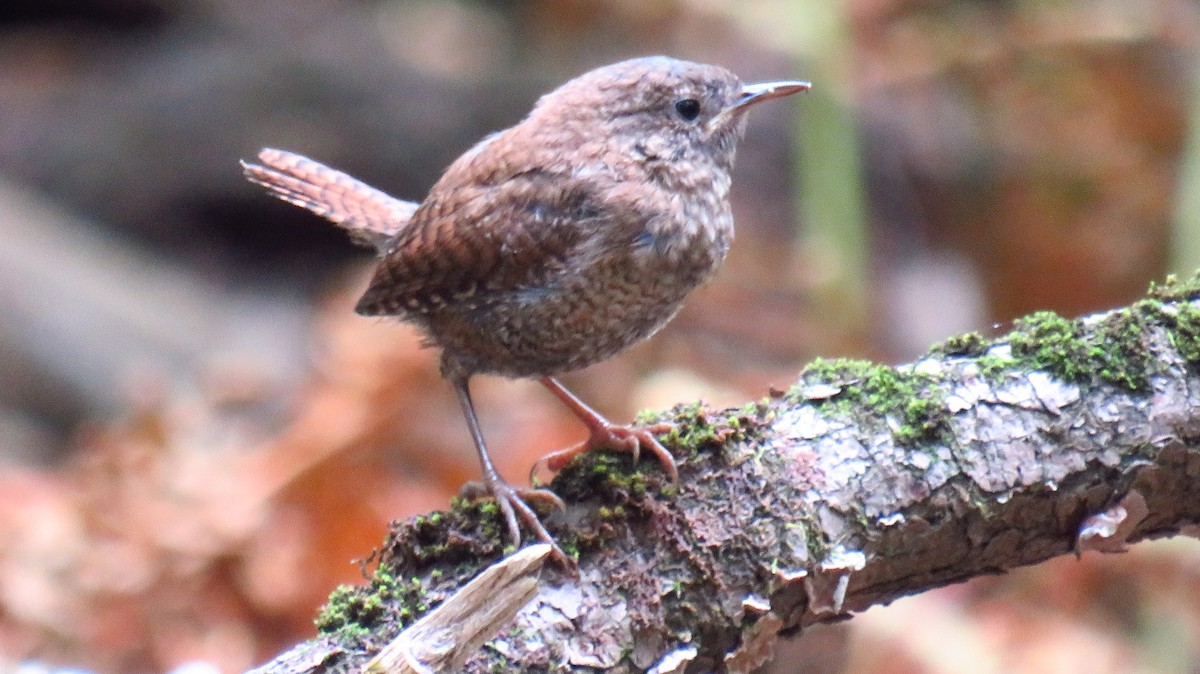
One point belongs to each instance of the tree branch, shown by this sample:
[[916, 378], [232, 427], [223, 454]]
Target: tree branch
[[861, 484]]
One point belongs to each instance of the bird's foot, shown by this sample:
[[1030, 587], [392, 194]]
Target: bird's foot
[[514, 504], [607, 435]]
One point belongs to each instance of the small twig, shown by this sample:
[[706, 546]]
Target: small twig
[[448, 635]]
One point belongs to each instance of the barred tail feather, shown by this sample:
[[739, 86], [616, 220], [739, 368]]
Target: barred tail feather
[[370, 216]]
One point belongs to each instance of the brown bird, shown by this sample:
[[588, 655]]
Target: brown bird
[[556, 243]]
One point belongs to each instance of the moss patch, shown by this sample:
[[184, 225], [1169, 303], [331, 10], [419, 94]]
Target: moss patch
[[348, 612], [1181, 320], [1113, 352], [1047, 341], [1185, 333], [606, 476], [968, 344], [1122, 357], [351, 612], [915, 400], [697, 429], [1174, 290]]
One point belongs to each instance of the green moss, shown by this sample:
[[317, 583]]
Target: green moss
[[633, 484], [1121, 355], [992, 366], [1052, 343], [925, 419], [608, 513], [1113, 352], [648, 417], [1181, 320], [691, 428], [596, 474], [695, 429], [836, 371], [570, 546], [342, 608], [1174, 290], [915, 400], [352, 611], [968, 344], [759, 410], [1185, 334], [349, 612]]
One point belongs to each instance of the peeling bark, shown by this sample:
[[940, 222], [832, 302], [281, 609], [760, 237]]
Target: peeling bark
[[819, 503]]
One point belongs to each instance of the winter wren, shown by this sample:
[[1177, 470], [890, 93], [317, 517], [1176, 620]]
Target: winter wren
[[556, 243]]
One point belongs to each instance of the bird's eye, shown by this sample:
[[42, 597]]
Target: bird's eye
[[688, 108]]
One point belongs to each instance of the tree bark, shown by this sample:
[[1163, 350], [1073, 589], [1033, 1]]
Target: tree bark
[[861, 484]]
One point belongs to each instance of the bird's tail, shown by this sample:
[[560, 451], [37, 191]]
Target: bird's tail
[[371, 217]]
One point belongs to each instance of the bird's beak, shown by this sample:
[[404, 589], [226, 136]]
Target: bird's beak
[[765, 91], [757, 93]]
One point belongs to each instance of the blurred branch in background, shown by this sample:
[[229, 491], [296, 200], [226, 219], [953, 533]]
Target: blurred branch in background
[[832, 202], [84, 310], [832, 244]]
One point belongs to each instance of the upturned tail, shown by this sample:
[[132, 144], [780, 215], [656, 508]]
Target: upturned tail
[[369, 216]]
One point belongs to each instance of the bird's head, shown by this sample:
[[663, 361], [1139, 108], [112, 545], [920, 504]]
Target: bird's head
[[675, 108]]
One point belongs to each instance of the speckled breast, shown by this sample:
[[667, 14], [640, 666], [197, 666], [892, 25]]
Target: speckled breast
[[585, 316]]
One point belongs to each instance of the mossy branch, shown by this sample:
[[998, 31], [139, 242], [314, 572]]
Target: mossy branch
[[861, 484]]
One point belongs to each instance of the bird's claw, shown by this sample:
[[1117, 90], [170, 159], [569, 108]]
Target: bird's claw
[[610, 436], [514, 504]]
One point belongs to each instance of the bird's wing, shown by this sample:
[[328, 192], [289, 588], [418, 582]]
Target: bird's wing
[[370, 216], [491, 237]]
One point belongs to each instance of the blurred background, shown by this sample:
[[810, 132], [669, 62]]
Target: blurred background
[[198, 438]]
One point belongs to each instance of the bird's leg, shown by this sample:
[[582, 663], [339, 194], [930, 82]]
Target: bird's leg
[[513, 501], [603, 434]]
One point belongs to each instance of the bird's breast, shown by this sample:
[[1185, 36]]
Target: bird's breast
[[691, 236], [622, 282]]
